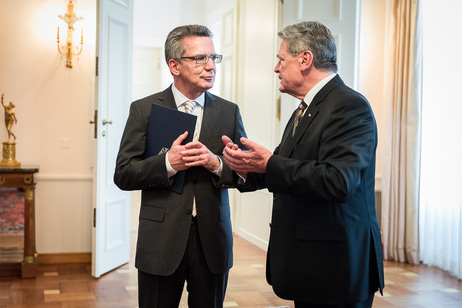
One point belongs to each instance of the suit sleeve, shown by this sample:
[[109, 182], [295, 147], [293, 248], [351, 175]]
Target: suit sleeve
[[133, 170], [331, 165], [228, 177]]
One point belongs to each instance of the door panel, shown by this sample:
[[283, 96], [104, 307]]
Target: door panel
[[223, 23], [111, 231]]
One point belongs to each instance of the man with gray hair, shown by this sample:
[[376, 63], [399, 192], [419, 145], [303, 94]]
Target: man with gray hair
[[325, 247], [183, 236]]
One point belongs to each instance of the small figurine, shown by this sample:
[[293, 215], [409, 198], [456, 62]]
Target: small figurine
[[10, 118]]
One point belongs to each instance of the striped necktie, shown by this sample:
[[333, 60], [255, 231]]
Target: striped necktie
[[189, 107]]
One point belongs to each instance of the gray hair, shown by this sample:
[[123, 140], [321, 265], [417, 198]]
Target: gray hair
[[315, 37], [174, 45]]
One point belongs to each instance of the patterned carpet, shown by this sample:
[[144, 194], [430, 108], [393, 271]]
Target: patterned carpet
[[11, 211], [11, 225]]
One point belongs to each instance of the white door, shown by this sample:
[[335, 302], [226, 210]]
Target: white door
[[111, 230], [222, 20], [342, 18]]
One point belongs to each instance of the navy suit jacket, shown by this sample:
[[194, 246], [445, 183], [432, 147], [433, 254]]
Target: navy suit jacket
[[325, 244], [165, 216]]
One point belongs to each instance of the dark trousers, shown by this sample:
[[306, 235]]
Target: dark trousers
[[205, 289], [364, 304]]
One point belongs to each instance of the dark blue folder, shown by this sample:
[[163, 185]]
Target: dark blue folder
[[166, 125]]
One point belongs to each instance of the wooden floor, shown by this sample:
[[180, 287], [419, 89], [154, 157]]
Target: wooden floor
[[72, 286]]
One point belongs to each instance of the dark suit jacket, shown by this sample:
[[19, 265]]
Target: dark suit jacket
[[325, 243], [165, 216]]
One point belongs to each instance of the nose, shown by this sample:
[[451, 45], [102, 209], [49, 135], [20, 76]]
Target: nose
[[210, 65], [276, 68]]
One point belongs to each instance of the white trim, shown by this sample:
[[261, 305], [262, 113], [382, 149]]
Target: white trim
[[64, 177], [252, 238]]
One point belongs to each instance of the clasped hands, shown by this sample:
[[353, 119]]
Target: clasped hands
[[192, 154], [244, 161]]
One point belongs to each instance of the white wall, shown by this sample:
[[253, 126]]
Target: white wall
[[257, 96], [53, 107], [372, 65]]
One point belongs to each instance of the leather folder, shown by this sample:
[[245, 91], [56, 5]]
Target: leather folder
[[165, 125]]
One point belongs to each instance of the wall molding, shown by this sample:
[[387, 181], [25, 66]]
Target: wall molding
[[254, 239], [64, 177]]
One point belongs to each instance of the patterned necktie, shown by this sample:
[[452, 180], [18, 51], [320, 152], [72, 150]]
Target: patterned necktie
[[189, 107], [298, 116]]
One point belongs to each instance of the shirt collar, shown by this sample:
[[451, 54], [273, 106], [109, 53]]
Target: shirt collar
[[312, 93], [180, 98]]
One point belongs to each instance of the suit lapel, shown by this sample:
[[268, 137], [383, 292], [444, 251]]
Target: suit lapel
[[209, 118], [287, 136], [288, 143], [307, 119], [165, 98]]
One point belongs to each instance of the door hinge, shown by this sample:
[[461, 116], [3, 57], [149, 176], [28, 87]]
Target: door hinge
[[97, 66], [94, 218], [95, 122]]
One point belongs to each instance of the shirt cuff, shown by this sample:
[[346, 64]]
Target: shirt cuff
[[170, 171], [219, 171]]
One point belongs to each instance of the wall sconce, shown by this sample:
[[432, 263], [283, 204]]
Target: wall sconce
[[68, 50]]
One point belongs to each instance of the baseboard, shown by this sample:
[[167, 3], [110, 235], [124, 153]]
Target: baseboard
[[64, 258], [252, 238]]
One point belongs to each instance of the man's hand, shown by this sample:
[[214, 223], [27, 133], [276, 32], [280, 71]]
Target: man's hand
[[243, 162], [175, 158], [195, 154]]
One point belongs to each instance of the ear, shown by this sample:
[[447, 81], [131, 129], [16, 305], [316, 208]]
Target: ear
[[173, 66], [306, 59]]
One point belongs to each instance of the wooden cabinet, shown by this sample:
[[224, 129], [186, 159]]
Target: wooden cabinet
[[23, 178]]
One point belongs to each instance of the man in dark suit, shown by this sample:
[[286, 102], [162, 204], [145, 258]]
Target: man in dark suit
[[188, 236], [325, 247]]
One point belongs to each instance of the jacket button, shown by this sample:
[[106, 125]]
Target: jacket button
[[189, 212]]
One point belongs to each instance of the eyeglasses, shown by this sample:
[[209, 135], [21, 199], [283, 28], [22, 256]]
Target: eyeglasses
[[202, 59]]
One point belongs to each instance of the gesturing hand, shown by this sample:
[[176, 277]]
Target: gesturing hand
[[243, 162], [195, 154]]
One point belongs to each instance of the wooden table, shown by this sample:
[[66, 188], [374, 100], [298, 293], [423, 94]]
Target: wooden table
[[23, 177]]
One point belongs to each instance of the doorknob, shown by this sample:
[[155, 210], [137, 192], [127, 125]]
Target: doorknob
[[106, 122]]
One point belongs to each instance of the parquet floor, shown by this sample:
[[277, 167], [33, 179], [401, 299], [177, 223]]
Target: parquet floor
[[71, 286]]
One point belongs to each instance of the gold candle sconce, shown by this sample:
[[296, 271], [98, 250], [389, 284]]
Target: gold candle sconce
[[68, 49]]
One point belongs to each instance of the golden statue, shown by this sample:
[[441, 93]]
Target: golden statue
[[9, 148], [10, 118]]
